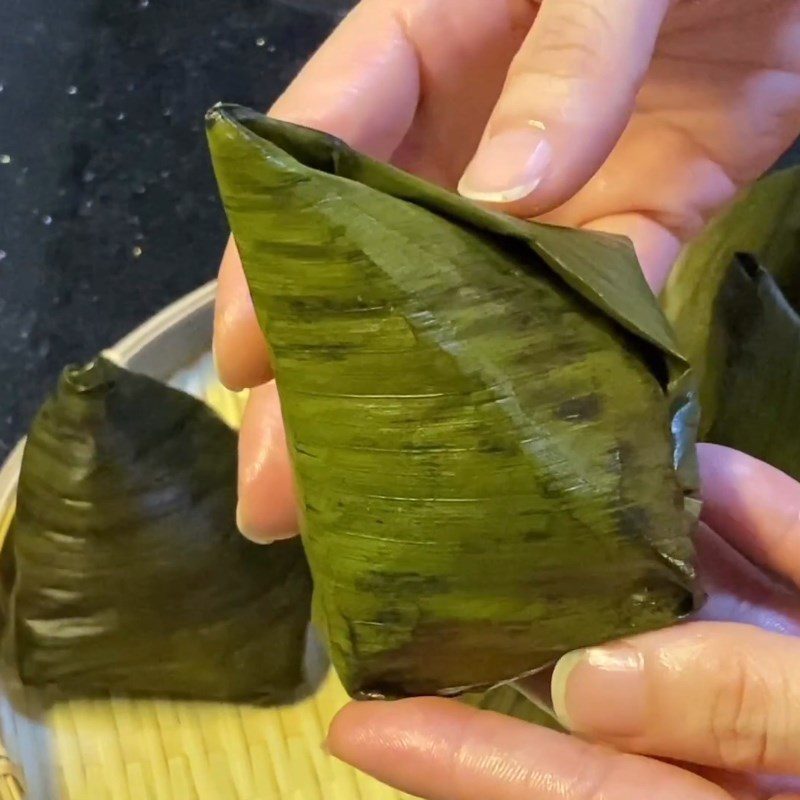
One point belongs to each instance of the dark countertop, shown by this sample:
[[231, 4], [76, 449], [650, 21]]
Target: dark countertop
[[107, 204], [108, 209]]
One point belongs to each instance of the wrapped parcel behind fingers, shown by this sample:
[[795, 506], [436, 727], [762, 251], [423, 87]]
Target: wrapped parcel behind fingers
[[491, 426]]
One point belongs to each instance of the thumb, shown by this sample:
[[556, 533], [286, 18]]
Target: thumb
[[568, 97], [720, 694]]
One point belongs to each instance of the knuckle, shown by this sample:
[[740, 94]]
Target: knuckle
[[746, 719], [575, 36], [563, 65]]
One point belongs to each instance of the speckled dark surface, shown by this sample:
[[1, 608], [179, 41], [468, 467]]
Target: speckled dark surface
[[107, 204]]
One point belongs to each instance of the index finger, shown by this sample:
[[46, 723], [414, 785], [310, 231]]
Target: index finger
[[361, 86], [442, 750]]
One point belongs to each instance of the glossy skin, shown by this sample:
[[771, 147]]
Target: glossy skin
[[634, 117]]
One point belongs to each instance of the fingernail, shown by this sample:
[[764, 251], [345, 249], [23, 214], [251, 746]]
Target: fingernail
[[601, 691], [507, 167]]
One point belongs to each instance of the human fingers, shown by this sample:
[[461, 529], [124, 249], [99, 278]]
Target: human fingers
[[716, 694], [738, 591], [721, 694], [684, 187], [267, 507], [569, 95], [442, 750], [240, 351], [362, 86], [747, 786], [754, 506]]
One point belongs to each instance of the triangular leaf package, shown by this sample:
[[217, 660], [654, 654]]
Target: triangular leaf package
[[489, 420]]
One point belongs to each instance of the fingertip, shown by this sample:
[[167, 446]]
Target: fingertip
[[260, 530], [266, 510], [586, 683], [405, 743], [373, 720], [345, 732], [724, 470], [239, 347], [362, 85]]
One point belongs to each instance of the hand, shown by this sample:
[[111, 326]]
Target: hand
[[722, 696], [639, 117]]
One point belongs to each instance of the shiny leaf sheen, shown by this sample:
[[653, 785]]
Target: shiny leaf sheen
[[479, 413]]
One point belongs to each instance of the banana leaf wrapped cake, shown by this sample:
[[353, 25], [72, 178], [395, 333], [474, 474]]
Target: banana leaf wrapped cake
[[734, 302], [491, 426], [123, 567]]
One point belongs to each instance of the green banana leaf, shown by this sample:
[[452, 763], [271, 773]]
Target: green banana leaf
[[733, 299], [128, 574], [757, 343], [485, 416]]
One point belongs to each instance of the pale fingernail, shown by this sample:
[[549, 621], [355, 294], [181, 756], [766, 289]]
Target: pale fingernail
[[601, 691], [507, 167]]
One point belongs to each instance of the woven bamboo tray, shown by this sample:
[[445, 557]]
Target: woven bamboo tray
[[126, 749]]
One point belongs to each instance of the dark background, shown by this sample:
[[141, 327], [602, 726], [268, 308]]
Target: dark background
[[108, 209], [107, 205]]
